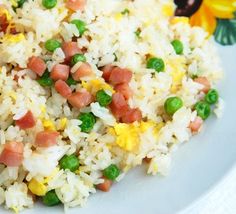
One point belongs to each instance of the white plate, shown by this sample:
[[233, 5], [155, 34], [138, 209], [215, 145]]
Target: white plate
[[197, 166]]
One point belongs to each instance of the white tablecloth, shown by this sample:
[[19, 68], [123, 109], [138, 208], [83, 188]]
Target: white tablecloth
[[220, 200]]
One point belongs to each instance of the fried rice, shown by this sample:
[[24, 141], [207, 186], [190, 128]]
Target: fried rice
[[43, 120]]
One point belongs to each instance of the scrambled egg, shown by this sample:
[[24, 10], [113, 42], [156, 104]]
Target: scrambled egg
[[128, 134], [37, 188], [13, 38], [49, 125], [40, 188], [178, 72], [95, 85], [144, 126]]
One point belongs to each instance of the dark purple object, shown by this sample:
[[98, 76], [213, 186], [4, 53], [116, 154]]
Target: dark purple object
[[187, 7]]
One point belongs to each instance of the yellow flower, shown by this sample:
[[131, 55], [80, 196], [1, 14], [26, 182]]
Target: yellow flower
[[223, 9], [204, 18], [210, 10]]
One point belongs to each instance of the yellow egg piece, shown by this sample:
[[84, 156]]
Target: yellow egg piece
[[13, 38], [127, 136], [179, 68], [37, 188], [49, 125], [95, 85]]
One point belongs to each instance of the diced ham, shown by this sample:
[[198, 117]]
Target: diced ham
[[12, 154], [60, 72], [203, 81], [119, 105], [37, 65], [80, 99], [124, 89], [132, 115], [196, 124], [70, 49], [46, 138], [120, 75], [62, 88], [27, 121], [84, 70], [105, 186], [107, 72], [76, 4]]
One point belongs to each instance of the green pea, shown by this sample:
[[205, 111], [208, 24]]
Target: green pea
[[203, 109], [156, 63], [77, 58], [45, 80], [103, 98], [49, 4], [70, 162], [172, 105], [178, 46], [52, 44], [88, 121], [51, 199], [70, 81], [212, 96], [81, 25], [111, 172]]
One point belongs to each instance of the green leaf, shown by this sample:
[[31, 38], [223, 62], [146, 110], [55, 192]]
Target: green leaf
[[225, 33]]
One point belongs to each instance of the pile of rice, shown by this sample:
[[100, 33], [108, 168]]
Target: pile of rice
[[108, 32]]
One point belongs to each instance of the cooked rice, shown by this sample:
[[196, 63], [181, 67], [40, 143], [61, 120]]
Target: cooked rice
[[108, 32]]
